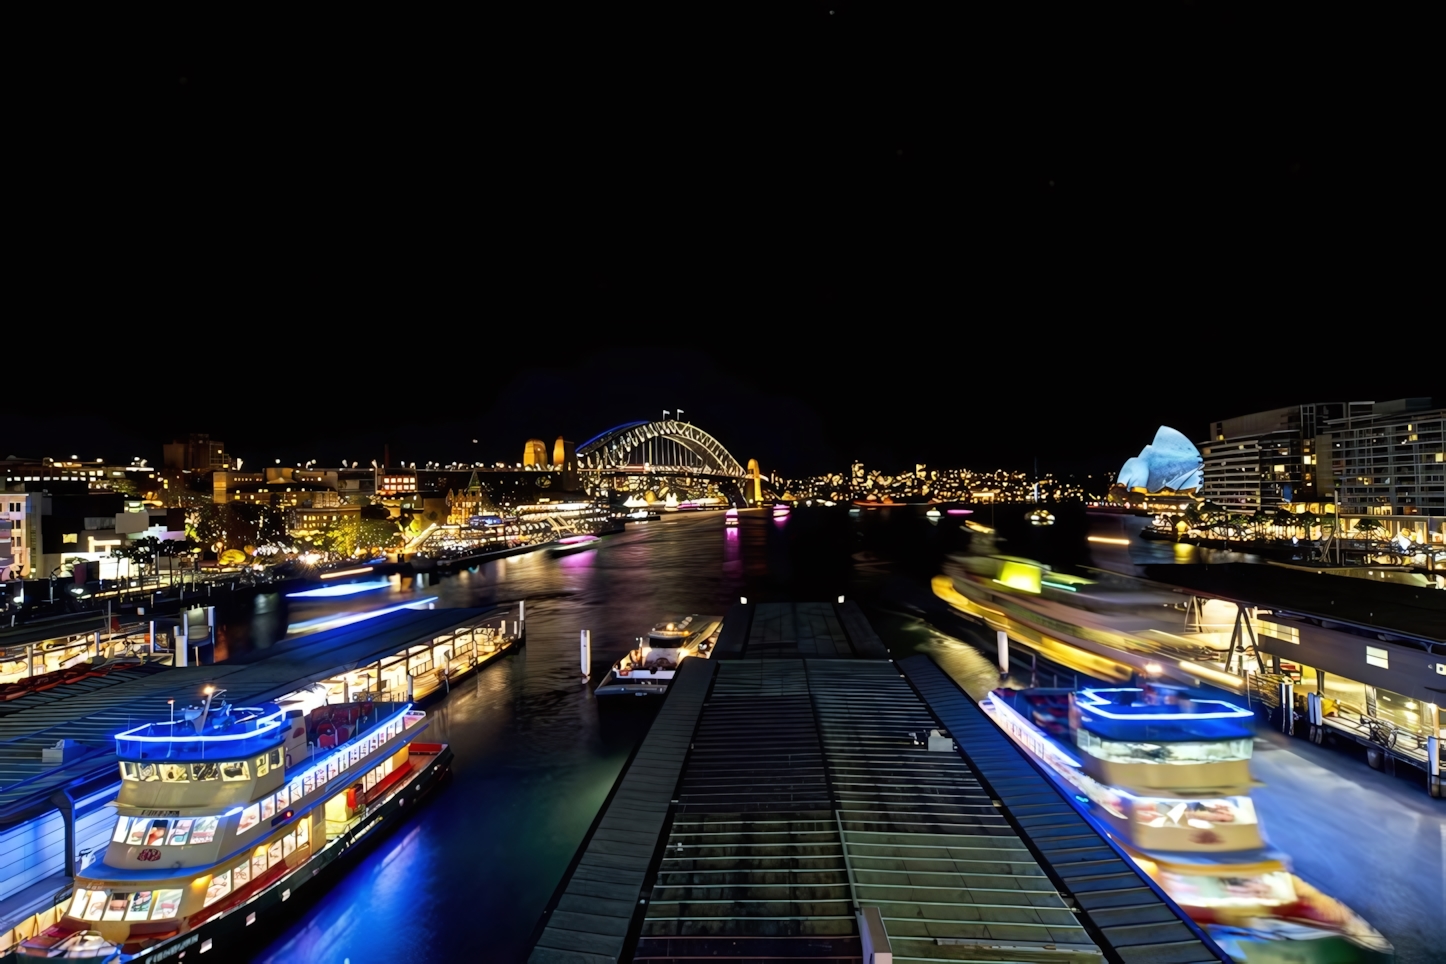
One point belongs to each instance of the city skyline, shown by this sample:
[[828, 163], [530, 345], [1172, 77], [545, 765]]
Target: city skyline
[[791, 428]]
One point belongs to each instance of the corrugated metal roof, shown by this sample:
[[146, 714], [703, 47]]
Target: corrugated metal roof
[[1135, 922]]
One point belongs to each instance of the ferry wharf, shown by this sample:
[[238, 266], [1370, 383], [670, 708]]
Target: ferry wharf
[[801, 796], [58, 768]]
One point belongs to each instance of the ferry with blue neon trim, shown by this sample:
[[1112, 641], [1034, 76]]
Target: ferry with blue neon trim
[[1165, 771], [228, 812]]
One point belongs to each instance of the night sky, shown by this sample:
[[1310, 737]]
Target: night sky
[[824, 231]]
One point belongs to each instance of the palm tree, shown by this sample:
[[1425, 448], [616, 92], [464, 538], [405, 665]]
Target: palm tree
[[1285, 519], [1258, 519], [1235, 524], [1308, 520], [1373, 528]]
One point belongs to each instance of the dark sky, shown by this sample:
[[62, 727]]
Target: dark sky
[[824, 230]]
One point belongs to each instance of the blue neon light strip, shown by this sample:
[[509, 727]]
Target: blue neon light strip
[[344, 589], [1095, 703], [265, 725], [332, 622]]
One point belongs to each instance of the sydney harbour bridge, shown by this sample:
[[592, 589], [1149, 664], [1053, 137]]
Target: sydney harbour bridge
[[667, 458]]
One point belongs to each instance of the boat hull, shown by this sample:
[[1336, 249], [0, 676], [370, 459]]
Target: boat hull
[[1297, 943], [237, 933]]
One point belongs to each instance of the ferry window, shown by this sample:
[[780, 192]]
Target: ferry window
[[96, 905], [168, 902], [276, 757], [128, 771], [140, 905], [274, 853], [156, 832], [241, 874], [308, 782], [288, 845], [1216, 751], [294, 791], [204, 831], [283, 800], [148, 772], [371, 779], [258, 862], [234, 770], [137, 835], [268, 808], [120, 830], [206, 771], [115, 908], [174, 773], [77, 903], [220, 887], [180, 830], [303, 832], [261, 767], [331, 768], [250, 817], [353, 755]]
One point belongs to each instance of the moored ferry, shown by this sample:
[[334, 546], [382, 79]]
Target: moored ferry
[[1166, 772], [647, 670], [226, 813]]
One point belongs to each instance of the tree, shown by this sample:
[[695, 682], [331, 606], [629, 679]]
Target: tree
[[1307, 521], [1258, 520], [1372, 528]]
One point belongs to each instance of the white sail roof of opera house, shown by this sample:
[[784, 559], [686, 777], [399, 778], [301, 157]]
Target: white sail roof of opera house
[[1169, 463]]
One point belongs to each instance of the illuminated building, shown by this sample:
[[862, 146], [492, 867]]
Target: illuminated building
[[138, 478], [1268, 459], [49, 525], [534, 453], [1389, 464]]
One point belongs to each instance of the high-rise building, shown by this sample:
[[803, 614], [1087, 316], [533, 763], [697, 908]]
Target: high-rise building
[[198, 453], [1269, 458], [1390, 463]]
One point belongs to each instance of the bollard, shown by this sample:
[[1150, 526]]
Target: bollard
[[1287, 708], [179, 648], [586, 654], [1433, 762], [1003, 651]]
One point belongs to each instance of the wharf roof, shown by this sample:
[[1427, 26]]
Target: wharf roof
[[91, 712], [44, 629], [1381, 606], [788, 783]]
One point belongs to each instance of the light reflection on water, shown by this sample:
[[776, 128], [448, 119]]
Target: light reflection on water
[[534, 760]]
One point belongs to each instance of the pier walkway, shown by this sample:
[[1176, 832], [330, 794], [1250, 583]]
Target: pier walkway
[[808, 815]]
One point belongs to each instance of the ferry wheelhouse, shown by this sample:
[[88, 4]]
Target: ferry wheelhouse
[[648, 669], [226, 812], [1166, 772]]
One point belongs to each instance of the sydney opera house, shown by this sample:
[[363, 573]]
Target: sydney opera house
[[1167, 472]]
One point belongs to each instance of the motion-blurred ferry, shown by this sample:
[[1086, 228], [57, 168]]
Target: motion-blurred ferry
[[228, 812], [1166, 772], [648, 669]]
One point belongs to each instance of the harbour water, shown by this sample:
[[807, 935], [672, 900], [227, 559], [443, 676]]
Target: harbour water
[[468, 874]]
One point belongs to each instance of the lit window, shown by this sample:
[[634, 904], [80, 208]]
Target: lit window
[[1376, 656]]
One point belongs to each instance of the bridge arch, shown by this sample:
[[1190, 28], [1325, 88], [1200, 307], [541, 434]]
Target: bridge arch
[[628, 445]]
